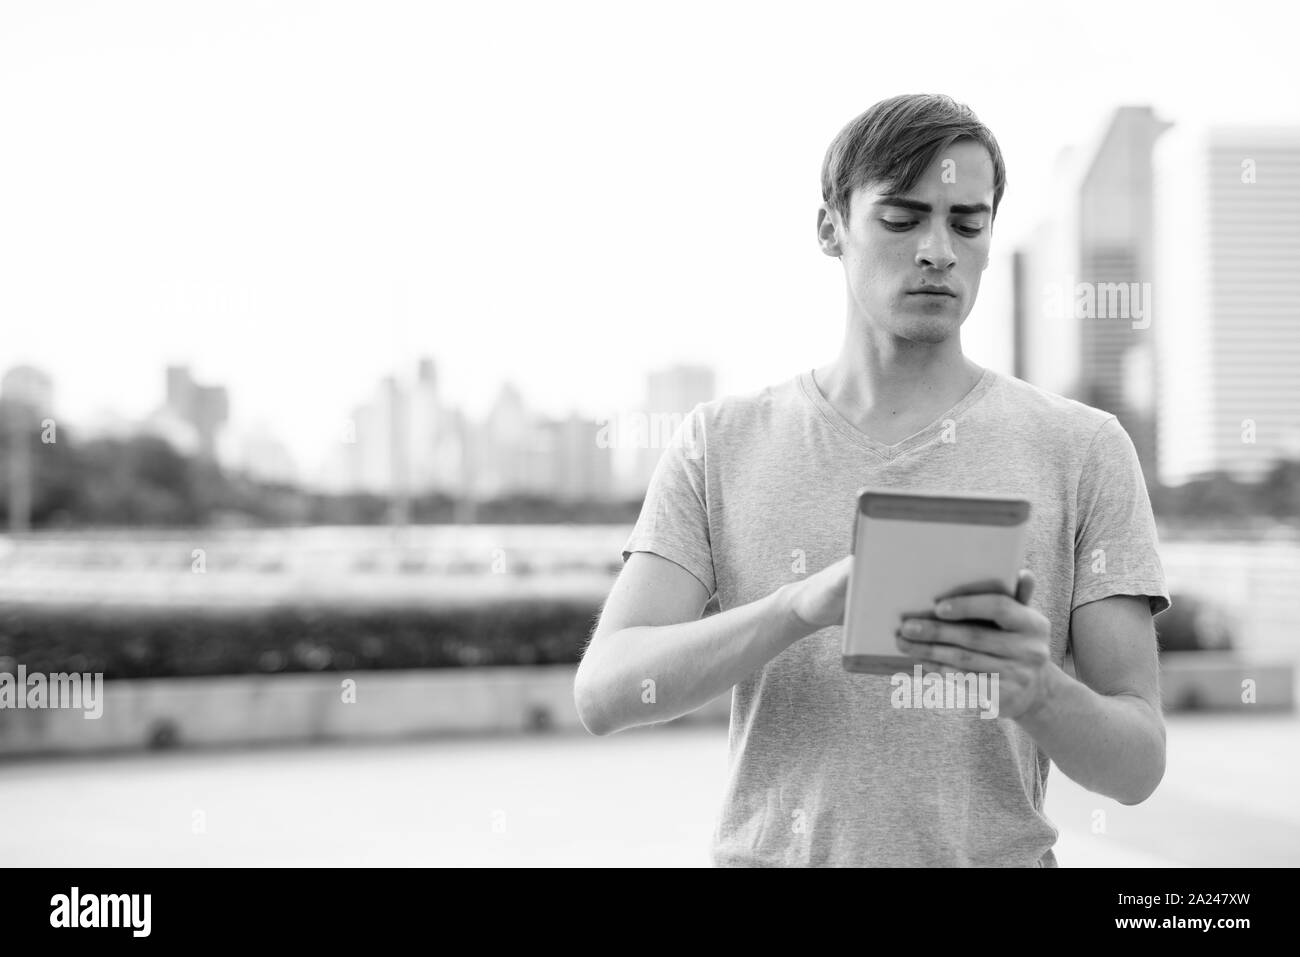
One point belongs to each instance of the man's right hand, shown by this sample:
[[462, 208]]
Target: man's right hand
[[818, 601]]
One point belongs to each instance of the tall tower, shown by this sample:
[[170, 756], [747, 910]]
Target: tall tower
[[1084, 283], [1117, 258], [670, 394], [1228, 307], [26, 399]]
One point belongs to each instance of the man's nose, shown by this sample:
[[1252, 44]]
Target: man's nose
[[936, 249]]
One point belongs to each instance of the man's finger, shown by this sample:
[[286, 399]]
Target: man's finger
[[995, 610], [1025, 586], [990, 586]]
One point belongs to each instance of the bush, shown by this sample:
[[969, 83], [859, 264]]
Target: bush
[[1193, 624], [156, 643]]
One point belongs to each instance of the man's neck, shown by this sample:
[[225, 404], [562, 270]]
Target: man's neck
[[893, 392]]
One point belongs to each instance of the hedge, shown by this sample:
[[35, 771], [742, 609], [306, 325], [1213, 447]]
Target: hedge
[[127, 642], [137, 642]]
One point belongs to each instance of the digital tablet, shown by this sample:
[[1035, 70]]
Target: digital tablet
[[911, 547]]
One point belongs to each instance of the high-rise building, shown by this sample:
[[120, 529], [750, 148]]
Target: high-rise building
[[438, 437], [585, 469], [405, 441], [670, 394], [1085, 282], [374, 455], [408, 438], [512, 452], [26, 401], [424, 426], [1117, 257], [518, 452], [1228, 315], [199, 410], [452, 454], [1046, 334]]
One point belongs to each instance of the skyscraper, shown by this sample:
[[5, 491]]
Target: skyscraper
[[670, 394], [1228, 313], [201, 407], [505, 458], [1085, 289], [1117, 251], [26, 400], [585, 469]]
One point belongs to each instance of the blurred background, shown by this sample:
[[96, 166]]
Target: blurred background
[[340, 342]]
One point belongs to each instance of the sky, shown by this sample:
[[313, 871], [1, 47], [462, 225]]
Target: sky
[[298, 198]]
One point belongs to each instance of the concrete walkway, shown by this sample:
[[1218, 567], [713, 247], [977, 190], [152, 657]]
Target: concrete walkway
[[643, 798]]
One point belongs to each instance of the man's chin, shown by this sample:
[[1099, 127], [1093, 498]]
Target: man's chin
[[929, 329]]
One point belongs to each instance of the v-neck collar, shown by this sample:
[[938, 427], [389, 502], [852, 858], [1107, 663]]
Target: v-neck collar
[[810, 389]]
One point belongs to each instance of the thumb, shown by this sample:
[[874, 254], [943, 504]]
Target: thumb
[[1025, 587]]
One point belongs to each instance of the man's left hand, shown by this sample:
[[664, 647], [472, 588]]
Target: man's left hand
[[1017, 648]]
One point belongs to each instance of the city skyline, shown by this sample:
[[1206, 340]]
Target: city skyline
[[511, 448], [1144, 197], [571, 220]]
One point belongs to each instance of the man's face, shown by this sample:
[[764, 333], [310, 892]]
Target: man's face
[[913, 261]]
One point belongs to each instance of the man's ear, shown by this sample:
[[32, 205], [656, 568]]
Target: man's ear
[[827, 232], [992, 222]]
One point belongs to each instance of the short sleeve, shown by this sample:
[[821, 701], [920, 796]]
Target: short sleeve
[[674, 519], [1115, 543]]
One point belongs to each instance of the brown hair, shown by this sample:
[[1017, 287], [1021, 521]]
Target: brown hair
[[894, 141]]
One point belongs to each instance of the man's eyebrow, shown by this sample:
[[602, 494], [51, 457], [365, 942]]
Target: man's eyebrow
[[905, 203]]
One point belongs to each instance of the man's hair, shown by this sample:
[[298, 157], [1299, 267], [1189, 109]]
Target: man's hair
[[894, 141]]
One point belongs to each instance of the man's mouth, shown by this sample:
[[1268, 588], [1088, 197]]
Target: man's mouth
[[932, 291]]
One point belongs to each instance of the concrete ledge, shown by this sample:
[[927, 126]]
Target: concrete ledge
[[264, 709], [1215, 680], [269, 709], [1212, 681]]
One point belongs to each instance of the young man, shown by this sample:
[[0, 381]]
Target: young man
[[754, 509]]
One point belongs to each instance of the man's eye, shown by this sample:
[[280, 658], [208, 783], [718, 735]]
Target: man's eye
[[898, 225], [969, 230]]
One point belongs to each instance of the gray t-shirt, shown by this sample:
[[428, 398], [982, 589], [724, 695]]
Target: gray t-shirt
[[758, 490]]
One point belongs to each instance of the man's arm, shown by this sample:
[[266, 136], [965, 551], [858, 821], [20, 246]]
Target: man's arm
[[652, 658], [1105, 730]]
